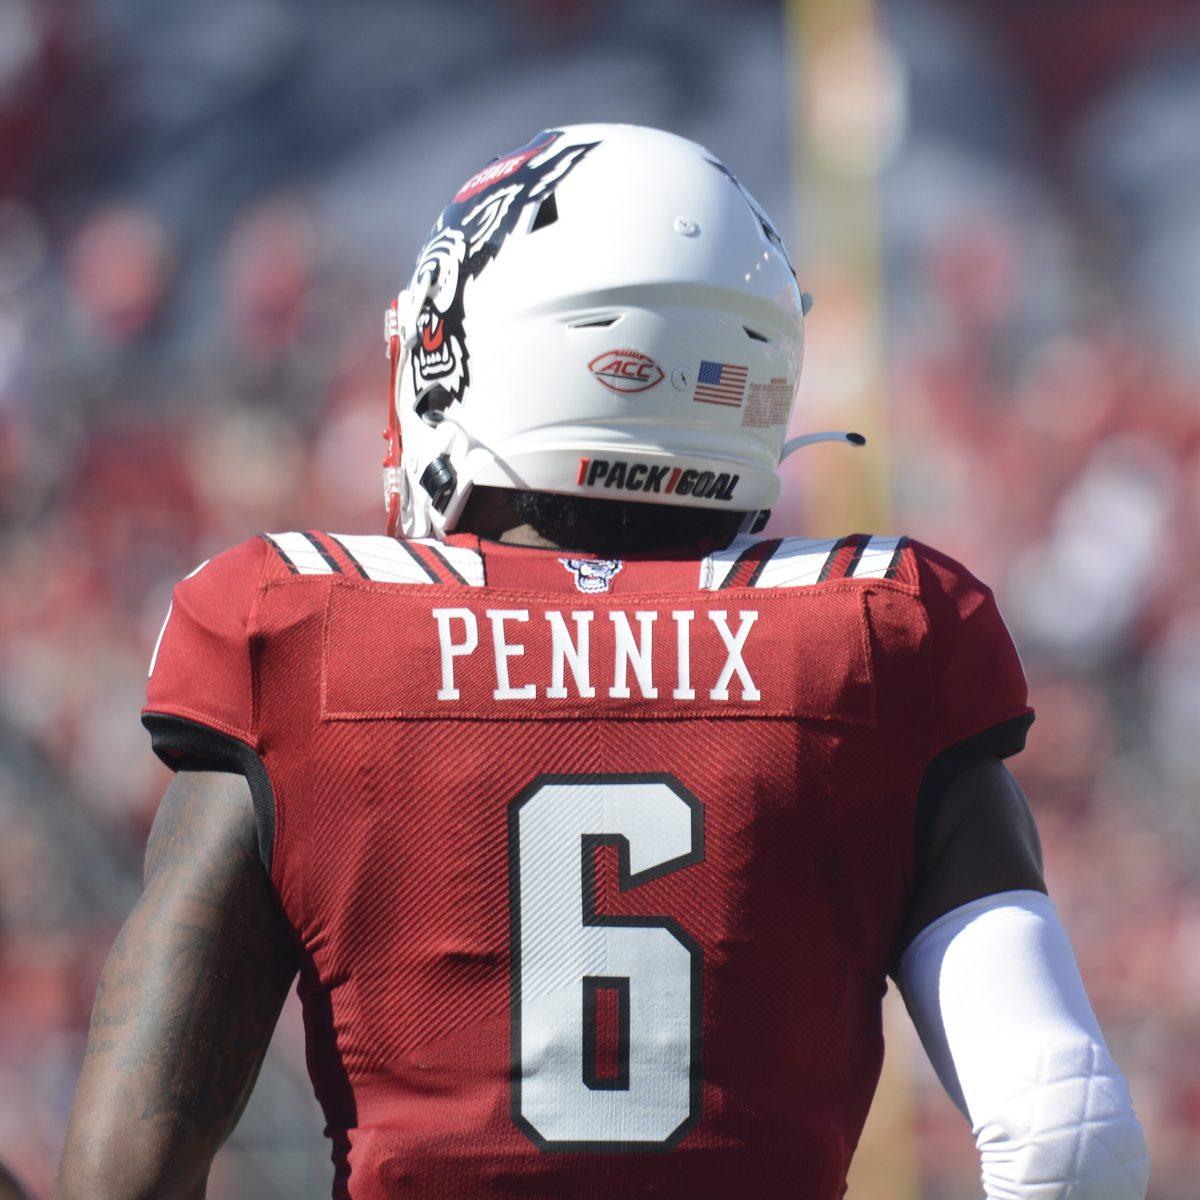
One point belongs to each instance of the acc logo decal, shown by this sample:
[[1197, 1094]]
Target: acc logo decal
[[593, 574], [625, 370]]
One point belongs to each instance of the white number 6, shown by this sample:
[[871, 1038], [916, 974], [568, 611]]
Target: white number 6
[[562, 951]]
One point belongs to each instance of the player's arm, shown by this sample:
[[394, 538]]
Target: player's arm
[[990, 979], [982, 840], [984, 964], [186, 1004]]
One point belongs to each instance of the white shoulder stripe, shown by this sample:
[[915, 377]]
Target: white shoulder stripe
[[797, 563], [465, 562], [875, 559], [383, 558], [301, 554]]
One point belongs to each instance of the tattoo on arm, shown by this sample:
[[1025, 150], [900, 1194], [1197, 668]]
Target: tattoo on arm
[[187, 1001]]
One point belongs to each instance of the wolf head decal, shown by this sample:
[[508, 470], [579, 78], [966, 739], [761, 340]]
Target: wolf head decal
[[467, 236]]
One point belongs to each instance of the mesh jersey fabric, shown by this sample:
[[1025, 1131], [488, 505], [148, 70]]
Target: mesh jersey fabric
[[459, 743]]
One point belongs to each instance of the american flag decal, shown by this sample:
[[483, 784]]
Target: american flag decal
[[721, 383]]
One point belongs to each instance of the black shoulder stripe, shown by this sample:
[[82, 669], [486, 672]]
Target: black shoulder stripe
[[738, 563], [420, 561], [768, 553], [748, 565], [828, 565], [861, 540], [897, 557], [291, 566], [447, 564], [350, 557], [333, 563]]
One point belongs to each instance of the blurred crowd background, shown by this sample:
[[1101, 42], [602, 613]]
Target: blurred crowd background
[[203, 211]]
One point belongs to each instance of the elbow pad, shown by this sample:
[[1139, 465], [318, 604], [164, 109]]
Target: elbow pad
[[996, 996]]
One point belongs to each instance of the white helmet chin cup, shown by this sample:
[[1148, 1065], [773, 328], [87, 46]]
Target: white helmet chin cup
[[604, 312]]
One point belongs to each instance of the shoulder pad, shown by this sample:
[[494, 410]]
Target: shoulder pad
[[200, 668]]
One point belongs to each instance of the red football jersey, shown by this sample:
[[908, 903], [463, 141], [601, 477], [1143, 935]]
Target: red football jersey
[[597, 866]]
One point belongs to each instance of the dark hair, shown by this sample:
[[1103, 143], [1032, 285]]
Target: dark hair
[[606, 527]]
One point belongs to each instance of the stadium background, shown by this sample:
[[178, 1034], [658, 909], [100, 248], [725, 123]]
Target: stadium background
[[204, 208]]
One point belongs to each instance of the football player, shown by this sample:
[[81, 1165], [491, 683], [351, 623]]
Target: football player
[[592, 822]]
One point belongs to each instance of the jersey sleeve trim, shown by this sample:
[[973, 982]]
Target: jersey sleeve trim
[[997, 741], [186, 745]]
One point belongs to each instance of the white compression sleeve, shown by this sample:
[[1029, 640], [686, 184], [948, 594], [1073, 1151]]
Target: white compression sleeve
[[996, 997]]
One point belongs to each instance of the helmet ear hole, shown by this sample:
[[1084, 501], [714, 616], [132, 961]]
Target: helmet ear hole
[[432, 403]]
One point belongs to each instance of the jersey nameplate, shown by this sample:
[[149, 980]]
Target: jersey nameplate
[[497, 656]]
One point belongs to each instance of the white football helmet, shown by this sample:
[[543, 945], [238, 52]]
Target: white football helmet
[[604, 312]]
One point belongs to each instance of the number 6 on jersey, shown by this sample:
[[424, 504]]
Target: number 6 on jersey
[[563, 953]]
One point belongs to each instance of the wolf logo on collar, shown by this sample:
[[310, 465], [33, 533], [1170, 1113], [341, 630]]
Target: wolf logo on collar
[[465, 239], [593, 574]]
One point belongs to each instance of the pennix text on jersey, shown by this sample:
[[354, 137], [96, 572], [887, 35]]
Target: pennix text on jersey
[[513, 655], [549, 653]]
